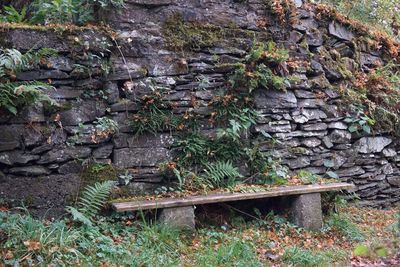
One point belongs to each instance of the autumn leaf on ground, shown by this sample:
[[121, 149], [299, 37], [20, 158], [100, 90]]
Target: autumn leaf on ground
[[32, 245]]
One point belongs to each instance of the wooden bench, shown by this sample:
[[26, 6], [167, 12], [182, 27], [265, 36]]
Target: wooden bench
[[305, 206]]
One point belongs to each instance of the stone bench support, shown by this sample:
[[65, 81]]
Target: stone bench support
[[181, 217], [306, 211]]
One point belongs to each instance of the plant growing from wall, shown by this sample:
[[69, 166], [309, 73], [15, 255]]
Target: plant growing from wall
[[205, 162], [285, 10], [13, 94], [375, 99], [58, 11], [220, 174], [12, 15], [155, 113], [379, 14], [263, 68], [105, 127]]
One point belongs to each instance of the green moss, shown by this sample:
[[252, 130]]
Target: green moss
[[298, 150], [344, 71], [97, 172], [60, 28], [181, 35]]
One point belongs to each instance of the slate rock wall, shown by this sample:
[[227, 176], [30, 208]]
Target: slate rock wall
[[41, 156]]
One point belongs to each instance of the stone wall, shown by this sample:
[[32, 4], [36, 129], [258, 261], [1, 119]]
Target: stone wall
[[41, 155]]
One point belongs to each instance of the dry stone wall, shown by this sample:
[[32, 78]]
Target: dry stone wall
[[41, 155]]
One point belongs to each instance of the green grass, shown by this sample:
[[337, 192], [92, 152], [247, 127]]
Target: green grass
[[345, 226], [234, 252], [121, 241], [35, 242], [304, 257]]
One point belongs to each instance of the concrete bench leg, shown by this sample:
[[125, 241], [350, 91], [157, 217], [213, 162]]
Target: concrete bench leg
[[306, 211], [182, 217]]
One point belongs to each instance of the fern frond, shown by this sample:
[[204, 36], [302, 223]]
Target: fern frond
[[19, 94], [92, 200], [221, 174], [77, 216], [94, 197]]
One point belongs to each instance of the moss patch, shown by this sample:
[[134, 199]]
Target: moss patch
[[97, 172], [181, 35], [61, 28]]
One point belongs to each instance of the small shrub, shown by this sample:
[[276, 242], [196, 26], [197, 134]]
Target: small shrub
[[373, 100], [274, 173], [379, 14]]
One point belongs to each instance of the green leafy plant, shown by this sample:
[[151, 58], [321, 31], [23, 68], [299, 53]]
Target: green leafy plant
[[260, 69], [373, 98], [92, 200], [329, 164], [59, 11], [15, 95], [379, 14], [360, 121], [126, 177], [307, 177], [106, 126], [12, 15], [265, 168], [155, 114], [98, 167], [220, 175]]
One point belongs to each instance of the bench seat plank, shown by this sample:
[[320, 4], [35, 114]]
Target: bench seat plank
[[226, 197]]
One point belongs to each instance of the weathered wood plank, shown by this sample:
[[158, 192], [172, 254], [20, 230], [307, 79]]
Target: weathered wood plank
[[226, 197]]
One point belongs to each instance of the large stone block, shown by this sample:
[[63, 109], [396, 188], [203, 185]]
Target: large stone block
[[340, 31], [16, 157], [140, 157], [275, 99], [9, 137], [58, 155], [30, 171], [306, 211], [82, 112], [181, 217], [372, 144]]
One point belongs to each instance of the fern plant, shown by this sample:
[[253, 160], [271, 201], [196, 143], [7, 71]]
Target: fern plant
[[92, 200], [14, 95], [12, 15], [220, 174]]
